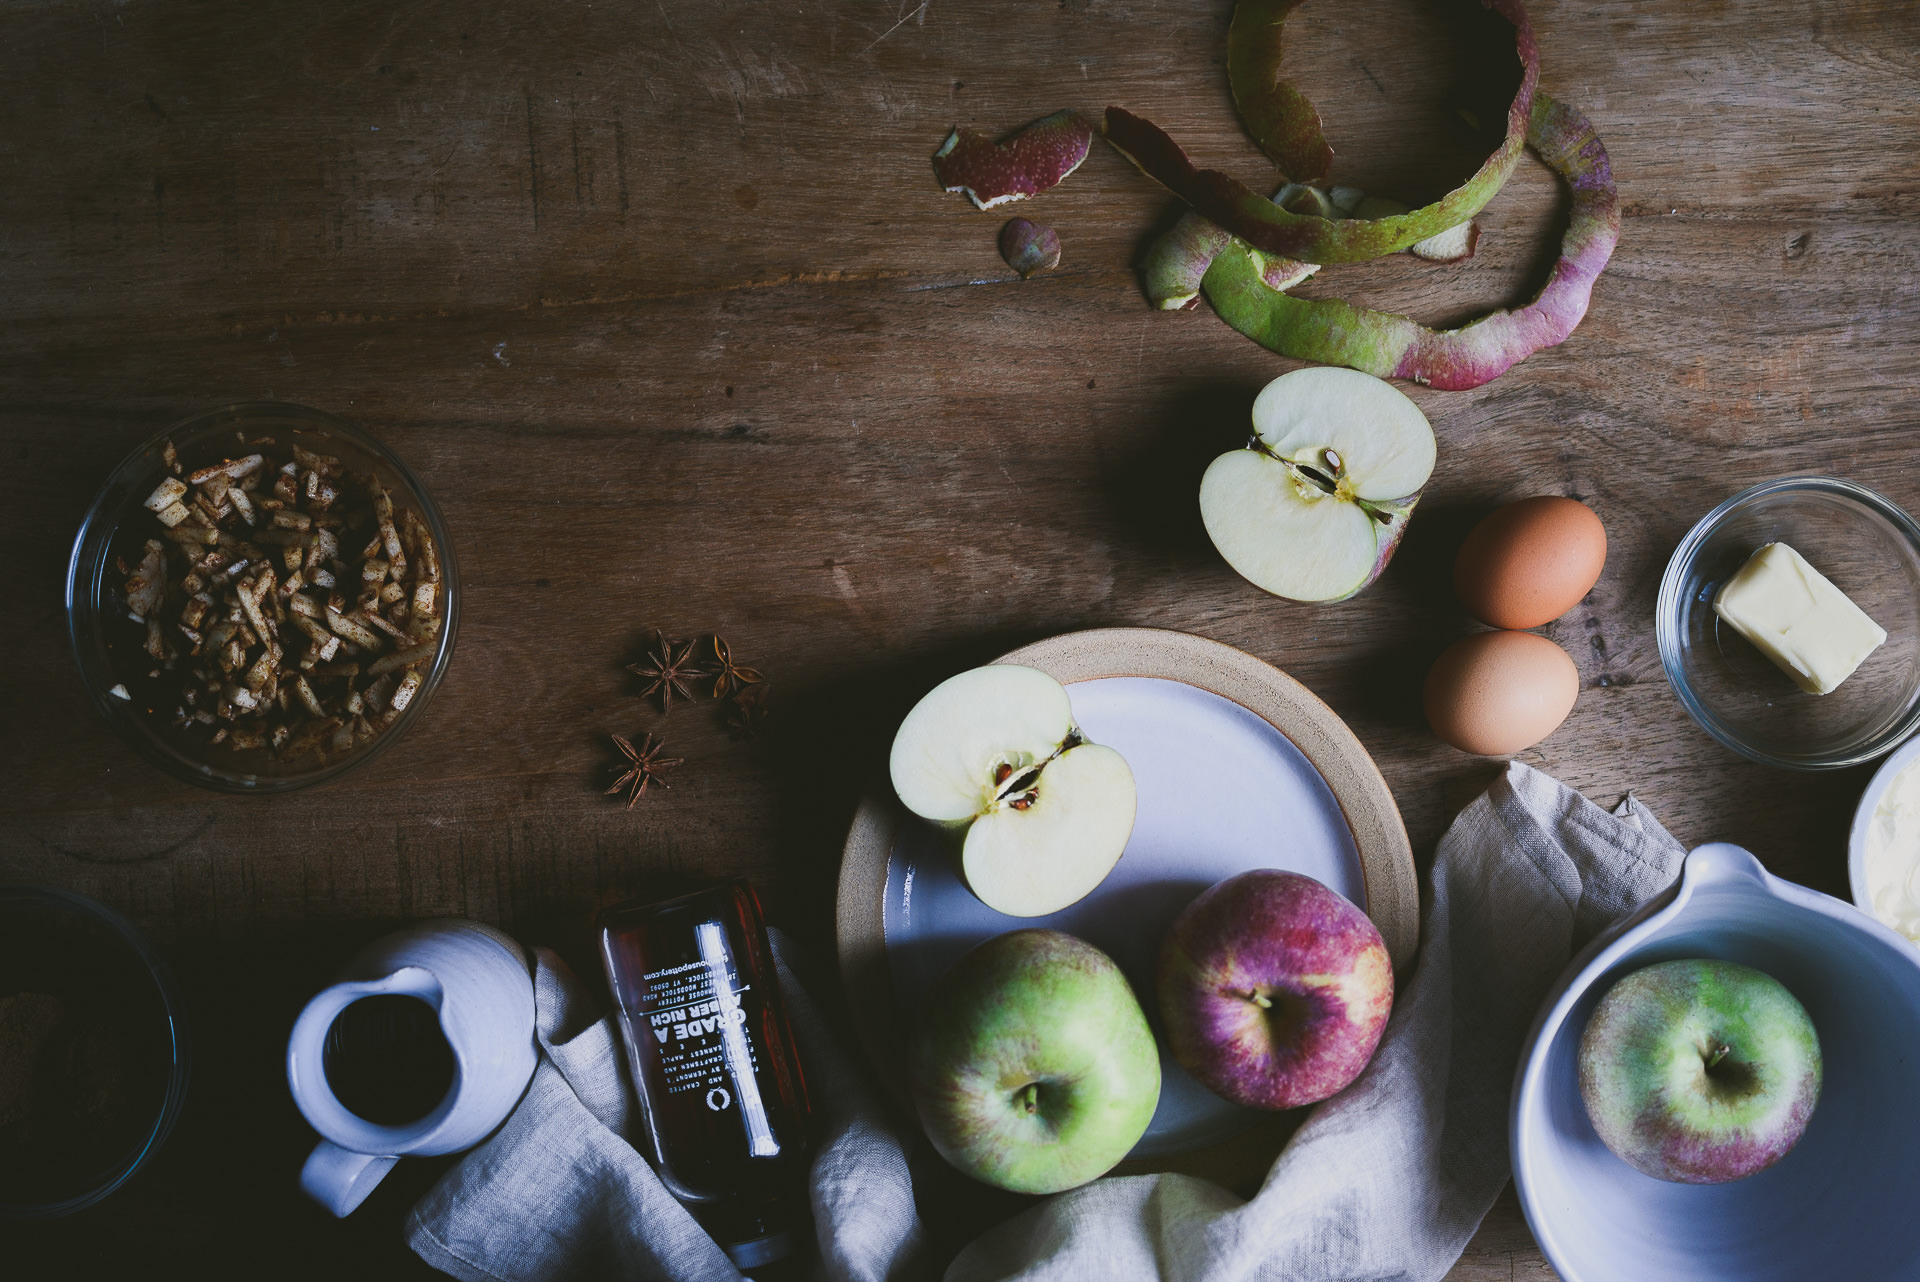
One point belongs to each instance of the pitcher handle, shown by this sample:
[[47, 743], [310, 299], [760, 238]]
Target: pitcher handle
[[340, 1179]]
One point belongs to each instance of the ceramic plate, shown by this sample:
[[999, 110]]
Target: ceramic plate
[[1237, 765]]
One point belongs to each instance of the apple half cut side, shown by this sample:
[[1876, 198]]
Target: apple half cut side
[[994, 753], [1314, 507], [1394, 346]]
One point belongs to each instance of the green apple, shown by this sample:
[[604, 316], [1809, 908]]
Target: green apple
[[1031, 1064], [1699, 1071]]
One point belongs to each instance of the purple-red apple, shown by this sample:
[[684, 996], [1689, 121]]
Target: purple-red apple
[[1273, 989], [1314, 507], [1699, 1071]]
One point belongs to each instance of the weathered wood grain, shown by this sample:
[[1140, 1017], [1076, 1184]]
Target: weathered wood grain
[[664, 305]]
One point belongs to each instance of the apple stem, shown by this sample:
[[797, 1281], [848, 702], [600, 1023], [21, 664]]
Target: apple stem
[[1260, 999], [1030, 1097], [1718, 1053]]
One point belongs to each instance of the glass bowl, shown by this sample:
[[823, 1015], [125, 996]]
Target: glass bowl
[[93, 1056], [118, 524], [1870, 549]]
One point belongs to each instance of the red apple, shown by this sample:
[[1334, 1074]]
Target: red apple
[[1273, 989]]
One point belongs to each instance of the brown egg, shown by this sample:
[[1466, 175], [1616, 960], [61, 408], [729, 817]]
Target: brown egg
[[1530, 562], [1494, 693]]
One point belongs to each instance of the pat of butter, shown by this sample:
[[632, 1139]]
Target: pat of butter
[[1892, 863], [1789, 610]]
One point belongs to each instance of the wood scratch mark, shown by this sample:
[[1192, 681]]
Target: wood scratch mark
[[579, 183], [920, 12], [620, 162], [451, 153], [1365, 71], [533, 160], [84, 857]]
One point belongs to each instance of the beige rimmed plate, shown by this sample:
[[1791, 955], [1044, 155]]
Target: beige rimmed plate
[[1237, 765]]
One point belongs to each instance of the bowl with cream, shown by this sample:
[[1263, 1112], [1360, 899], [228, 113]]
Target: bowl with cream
[[1789, 623], [1883, 851]]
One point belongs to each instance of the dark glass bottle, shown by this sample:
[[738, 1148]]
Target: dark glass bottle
[[723, 1104]]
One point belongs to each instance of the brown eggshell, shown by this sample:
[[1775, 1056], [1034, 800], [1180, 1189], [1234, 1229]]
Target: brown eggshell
[[1495, 693], [1530, 562]]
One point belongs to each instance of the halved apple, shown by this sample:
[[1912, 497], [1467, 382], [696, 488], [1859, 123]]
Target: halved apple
[[994, 753], [1314, 507]]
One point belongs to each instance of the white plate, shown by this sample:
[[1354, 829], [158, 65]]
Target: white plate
[[1222, 789]]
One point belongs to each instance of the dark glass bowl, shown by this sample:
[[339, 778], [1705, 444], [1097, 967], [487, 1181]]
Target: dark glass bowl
[[93, 1052]]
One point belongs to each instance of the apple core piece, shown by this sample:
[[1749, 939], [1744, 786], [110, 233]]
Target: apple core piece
[[1313, 508], [1699, 1071], [1793, 614]]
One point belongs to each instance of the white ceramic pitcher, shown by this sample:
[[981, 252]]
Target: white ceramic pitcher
[[481, 984]]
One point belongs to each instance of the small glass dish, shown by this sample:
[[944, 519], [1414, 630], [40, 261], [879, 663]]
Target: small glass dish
[[94, 1057], [1870, 549], [118, 524]]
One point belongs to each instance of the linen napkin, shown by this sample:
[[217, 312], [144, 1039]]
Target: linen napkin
[[1385, 1182], [557, 1193]]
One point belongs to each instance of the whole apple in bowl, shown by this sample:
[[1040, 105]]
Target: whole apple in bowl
[[1314, 507], [993, 754], [1840, 1205], [1699, 1071], [1273, 989], [1031, 1065]]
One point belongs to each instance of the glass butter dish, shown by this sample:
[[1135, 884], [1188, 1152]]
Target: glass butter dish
[[1870, 549]]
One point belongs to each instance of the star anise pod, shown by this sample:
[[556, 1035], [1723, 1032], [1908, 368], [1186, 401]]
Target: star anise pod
[[645, 765], [667, 670], [727, 675], [747, 711]]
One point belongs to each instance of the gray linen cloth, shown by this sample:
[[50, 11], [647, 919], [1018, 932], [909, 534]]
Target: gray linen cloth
[[1385, 1182]]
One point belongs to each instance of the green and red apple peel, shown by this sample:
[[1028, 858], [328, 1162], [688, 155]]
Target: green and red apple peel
[[1392, 346], [1280, 118], [1229, 203], [1027, 162]]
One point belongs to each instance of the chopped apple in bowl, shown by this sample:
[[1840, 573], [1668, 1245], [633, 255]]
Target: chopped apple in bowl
[[1314, 507], [994, 756]]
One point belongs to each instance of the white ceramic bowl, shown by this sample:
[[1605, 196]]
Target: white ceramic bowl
[[1840, 1205], [1877, 787]]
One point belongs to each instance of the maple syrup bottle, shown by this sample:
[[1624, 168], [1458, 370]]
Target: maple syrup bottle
[[723, 1105]]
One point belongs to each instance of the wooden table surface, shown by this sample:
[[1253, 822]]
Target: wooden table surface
[[664, 304]]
